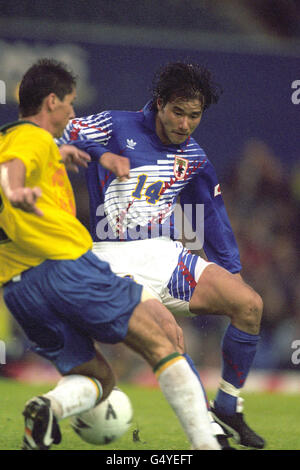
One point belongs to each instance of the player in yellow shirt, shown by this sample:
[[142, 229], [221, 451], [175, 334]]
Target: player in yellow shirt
[[62, 295], [56, 235]]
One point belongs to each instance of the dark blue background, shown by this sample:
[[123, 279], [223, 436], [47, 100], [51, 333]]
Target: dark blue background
[[256, 102]]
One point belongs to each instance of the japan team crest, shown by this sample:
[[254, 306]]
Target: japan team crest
[[180, 167]]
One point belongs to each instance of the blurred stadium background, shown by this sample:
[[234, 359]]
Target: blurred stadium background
[[251, 136]]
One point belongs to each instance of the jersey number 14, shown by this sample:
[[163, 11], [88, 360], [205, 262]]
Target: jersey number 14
[[152, 192]]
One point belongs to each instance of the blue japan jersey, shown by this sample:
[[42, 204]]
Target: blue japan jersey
[[143, 206]]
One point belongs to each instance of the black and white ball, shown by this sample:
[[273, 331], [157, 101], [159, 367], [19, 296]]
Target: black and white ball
[[105, 422]]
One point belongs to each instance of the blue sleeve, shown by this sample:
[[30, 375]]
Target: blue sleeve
[[91, 134], [219, 242], [94, 149]]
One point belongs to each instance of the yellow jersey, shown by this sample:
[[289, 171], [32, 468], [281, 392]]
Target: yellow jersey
[[26, 239]]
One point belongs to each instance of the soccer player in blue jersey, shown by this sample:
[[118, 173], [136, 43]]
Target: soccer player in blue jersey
[[64, 297], [135, 219]]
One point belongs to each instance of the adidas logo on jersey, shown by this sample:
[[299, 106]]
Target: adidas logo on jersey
[[131, 144]]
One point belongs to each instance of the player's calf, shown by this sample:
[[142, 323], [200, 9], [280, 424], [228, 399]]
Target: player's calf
[[146, 334], [98, 368]]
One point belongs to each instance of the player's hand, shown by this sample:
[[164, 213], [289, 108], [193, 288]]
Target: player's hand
[[25, 199], [73, 157], [117, 164]]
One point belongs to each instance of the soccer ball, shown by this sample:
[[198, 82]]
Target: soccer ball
[[105, 422]]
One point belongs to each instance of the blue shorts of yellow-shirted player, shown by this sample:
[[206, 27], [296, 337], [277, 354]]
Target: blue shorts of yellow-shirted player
[[62, 305]]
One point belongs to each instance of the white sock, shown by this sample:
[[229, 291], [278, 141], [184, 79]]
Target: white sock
[[74, 394], [184, 393]]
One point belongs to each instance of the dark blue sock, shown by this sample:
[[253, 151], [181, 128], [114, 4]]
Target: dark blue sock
[[238, 351], [193, 367]]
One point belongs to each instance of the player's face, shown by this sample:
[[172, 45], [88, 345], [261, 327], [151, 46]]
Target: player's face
[[177, 120], [63, 112]]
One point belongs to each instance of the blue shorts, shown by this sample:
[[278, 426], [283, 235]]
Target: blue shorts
[[63, 305]]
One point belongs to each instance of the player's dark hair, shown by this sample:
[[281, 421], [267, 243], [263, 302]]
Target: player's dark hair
[[184, 80], [44, 77]]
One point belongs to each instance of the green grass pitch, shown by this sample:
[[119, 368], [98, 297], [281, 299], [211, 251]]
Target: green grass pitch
[[275, 416]]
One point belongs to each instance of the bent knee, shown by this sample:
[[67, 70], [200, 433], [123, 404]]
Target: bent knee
[[249, 312]]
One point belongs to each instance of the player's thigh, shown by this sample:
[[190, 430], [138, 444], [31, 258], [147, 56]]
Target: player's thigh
[[220, 292]]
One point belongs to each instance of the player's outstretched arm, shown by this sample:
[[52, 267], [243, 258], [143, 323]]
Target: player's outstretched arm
[[73, 157], [12, 182], [86, 150], [119, 165]]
